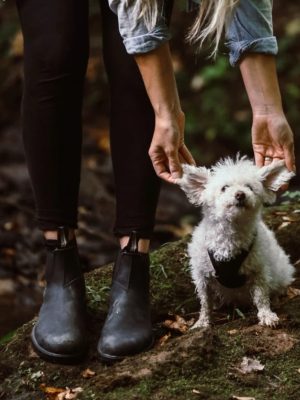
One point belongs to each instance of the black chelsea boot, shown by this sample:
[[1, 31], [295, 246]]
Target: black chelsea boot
[[127, 330], [59, 334]]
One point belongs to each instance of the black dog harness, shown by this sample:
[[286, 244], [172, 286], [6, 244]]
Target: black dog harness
[[227, 272]]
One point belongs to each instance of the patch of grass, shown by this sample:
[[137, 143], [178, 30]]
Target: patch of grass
[[7, 337]]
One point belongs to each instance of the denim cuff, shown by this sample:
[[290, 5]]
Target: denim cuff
[[148, 41], [267, 45]]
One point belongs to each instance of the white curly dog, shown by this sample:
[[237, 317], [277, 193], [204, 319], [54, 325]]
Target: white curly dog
[[234, 257]]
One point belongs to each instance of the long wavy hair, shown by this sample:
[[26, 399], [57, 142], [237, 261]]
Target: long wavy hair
[[209, 22]]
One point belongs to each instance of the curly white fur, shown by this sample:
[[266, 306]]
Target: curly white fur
[[229, 226]]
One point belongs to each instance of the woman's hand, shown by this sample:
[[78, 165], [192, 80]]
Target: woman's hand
[[271, 134], [167, 150], [272, 137]]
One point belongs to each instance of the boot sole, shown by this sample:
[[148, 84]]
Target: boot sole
[[109, 359], [54, 357]]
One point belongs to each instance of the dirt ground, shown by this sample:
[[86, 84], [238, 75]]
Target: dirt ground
[[236, 359]]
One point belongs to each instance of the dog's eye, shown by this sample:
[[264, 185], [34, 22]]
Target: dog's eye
[[249, 186], [224, 188]]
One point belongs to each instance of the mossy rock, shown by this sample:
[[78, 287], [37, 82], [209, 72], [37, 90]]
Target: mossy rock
[[198, 364]]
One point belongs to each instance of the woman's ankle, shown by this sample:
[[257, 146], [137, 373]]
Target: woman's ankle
[[52, 235], [143, 245]]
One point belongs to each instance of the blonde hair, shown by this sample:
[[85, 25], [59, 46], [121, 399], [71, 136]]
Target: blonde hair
[[210, 20]]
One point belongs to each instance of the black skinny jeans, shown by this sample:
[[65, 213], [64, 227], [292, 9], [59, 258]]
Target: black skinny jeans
[[56, 47]]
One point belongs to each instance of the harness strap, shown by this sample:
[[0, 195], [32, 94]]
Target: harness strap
[[227, 272]]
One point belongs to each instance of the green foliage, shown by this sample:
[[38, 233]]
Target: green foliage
[[7, 337], [94, 296], [156, 268], [294, 197]]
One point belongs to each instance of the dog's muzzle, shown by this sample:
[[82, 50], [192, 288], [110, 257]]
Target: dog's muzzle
[[240, 198]]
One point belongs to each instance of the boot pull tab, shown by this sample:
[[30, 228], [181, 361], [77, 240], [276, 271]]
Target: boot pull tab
[[132, 245], [63, 236]]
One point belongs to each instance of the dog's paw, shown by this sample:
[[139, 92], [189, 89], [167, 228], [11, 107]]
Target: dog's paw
[[202, 323], [268, 318]]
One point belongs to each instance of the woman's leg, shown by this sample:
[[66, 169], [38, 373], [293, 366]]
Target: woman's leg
[[131, 130], [128, 329], [55, 58]]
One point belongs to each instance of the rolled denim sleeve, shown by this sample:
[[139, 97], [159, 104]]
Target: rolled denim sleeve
[[251, 30], [136, 36]]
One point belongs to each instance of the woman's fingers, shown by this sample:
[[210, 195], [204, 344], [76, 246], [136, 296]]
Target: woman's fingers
[[259, 159], [161, 169], [174, 164], [185, 153], [289, 155]]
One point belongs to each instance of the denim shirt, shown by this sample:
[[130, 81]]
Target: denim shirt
[[250, 29]]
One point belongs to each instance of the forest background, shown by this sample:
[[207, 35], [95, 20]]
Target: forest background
[[218, 124]]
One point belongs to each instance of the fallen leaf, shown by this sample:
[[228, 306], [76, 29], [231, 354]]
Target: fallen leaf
[[289, 219], [60, 394], [243, 398], [196, 391], [292, 292], [298, 371], [163, 339], [280, 213], [77, 390], [233, 332], [72, 394], [283, 225], [297, 262], [51, 392], [179, 324], [251, 364], [88, 373]]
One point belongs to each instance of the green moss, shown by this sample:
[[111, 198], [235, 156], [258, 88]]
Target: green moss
[[197, 360]]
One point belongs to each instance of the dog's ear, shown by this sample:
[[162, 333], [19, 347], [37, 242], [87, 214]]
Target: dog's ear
[[193, 182], [273, 176]]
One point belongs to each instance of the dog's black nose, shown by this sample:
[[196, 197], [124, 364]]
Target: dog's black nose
[[240, 196]]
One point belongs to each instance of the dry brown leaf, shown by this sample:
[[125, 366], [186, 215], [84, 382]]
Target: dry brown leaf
[[292, 292], [233, 332], [297, 262], [243, 398], [280, 213], [60, 394], [88, 373], [298, 371], [163, 339], [196, 391], [51, 392], [179, 324], [289, 219], [283, 225]]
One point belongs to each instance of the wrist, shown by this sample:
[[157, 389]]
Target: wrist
[[168, 112], [267, 109]]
